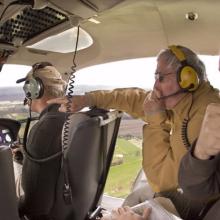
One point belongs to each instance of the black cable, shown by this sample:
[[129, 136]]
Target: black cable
[[27, 127], [30, 157], [43, 160], [184, 132], [30, 103], [76, 46], [67, 191], [10, 4], [67, 119], [70, 95]]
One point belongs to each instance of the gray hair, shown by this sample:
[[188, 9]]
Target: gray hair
[[191, 59]]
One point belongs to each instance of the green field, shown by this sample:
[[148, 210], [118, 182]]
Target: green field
[[121, 176]]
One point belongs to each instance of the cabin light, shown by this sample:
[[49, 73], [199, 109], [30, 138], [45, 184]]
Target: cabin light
[[93, 20], [64, 42], [192, 16]]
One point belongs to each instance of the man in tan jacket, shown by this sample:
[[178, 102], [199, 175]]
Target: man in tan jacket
[[173, 113]]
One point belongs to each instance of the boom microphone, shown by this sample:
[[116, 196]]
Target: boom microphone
[[179, 91], [172, 94]]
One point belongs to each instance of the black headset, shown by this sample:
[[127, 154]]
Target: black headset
[[187, 76], [34, 87]]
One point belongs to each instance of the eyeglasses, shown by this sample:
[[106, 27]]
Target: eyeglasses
[[40, 65], [160, 77]]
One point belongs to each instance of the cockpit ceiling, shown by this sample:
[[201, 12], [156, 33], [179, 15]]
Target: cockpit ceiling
[[142, 28], [124, 29]]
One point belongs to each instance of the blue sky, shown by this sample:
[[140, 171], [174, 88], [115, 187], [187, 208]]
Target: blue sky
[[129, 73]]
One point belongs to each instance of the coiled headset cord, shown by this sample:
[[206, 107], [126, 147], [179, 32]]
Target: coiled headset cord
[[184, 131], [67, 191], [69, 96]]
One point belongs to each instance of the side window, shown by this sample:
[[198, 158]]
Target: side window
[[128, 73], [127, 159], [11, 94]]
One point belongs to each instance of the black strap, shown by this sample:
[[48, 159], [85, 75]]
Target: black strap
[[104, 163], [67, 191], [27, 154], [26, 132]]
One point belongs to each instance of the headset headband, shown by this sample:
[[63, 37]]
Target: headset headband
[[178, 53]]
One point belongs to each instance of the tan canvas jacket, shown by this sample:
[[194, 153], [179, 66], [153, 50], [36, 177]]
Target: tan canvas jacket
[[163, 145]]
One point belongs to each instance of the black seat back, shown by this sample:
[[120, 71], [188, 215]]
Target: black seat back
[[8, 200], [87, 158]]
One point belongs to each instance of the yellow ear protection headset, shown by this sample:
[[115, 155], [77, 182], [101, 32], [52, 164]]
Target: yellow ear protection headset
[[34, 87], [187, 76]]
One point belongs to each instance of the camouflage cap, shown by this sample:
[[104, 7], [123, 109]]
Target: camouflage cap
[[49, 75]]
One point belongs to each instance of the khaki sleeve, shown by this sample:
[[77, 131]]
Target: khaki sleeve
[[129, 100], [158, 160]]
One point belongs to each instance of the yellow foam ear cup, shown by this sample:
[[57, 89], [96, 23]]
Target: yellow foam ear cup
[[188, 78]]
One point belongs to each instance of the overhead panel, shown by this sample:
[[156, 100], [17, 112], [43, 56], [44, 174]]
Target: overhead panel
[[29, 23]]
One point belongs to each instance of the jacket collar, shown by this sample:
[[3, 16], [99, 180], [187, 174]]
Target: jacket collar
[[50, 108], [182, 107]]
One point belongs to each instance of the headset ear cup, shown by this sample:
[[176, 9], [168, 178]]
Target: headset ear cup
[[188, 78], [34, 88], [41, 87]]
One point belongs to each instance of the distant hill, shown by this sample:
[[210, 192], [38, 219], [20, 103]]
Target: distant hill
[[17, 94], [11, 100], [130, 127], [11, 94]]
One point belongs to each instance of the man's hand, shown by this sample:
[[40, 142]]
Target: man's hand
[[17, 152], [125, 213], [208, 143], [153, 103], [78, 103]]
